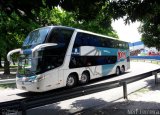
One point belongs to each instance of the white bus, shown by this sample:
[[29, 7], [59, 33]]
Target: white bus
[[57, 56]]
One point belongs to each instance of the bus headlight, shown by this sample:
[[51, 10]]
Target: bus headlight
[[40, 78]]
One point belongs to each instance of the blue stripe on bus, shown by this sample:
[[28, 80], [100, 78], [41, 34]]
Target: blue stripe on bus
[[106, 69]]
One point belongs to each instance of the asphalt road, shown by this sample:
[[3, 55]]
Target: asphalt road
[[91, 101]]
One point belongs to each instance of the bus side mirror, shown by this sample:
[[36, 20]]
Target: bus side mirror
[[12, 52]]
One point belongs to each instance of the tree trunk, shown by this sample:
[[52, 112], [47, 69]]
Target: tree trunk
[[0, 61], [6, 66]]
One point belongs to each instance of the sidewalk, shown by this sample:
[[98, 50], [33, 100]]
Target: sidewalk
[[145, 101]]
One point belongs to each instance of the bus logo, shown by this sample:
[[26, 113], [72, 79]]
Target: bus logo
[[121, 55], [76, 51]]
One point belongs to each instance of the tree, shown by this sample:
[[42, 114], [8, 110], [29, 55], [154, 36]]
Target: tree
[[146, 11], [150, 34], [58, 16], [14, 27], [0, 61], [12, 30], [87, 12], [84, 9]]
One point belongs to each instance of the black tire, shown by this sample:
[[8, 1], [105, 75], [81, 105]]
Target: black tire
[[118, 71], [122, 70], [71, 80], [85, 78]]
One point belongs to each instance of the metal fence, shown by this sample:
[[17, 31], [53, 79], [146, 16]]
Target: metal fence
[[7, 81], [48, 98]]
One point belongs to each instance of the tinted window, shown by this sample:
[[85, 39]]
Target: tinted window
[[60, 36], [53, 56], [83, 39], [84, 61]]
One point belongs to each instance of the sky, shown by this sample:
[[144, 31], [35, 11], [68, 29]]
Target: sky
[[127, 32]]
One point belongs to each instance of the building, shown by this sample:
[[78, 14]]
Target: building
[[139, 49]]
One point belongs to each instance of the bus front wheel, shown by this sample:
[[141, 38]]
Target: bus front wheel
[[71, 80]]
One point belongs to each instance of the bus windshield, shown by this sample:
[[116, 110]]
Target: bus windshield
[[36, 37], [25, 65], [47, 59]]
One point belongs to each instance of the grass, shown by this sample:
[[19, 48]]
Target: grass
[[5, 86], [143, 90]]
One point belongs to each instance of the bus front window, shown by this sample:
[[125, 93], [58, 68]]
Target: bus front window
[[36, 37]]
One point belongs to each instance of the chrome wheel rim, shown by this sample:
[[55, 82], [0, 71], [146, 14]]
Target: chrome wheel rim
[[122, 70], [117, 71], [70, 81], [84, 78]]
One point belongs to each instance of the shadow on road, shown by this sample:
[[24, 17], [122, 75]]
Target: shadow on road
[[94, 106]]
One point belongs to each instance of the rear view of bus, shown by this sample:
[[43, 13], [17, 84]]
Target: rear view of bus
[[56, 56]]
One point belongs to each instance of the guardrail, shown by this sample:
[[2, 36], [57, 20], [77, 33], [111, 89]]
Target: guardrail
[[155, 57], [36, 101], [154, 61], [7, 81]]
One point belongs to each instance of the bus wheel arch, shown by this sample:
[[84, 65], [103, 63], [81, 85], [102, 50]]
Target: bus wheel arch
[[85, 77], [122, 69], [118, 71], [72, 79]]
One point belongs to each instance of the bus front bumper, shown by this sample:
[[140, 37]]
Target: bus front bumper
[[31, 86]]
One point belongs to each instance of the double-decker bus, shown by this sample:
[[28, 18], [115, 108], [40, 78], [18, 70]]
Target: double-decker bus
[[56, 56]]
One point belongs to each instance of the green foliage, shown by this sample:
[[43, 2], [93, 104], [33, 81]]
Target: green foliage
[[133, 10], [83, 9], [150, 34], [150, 27], [13, 31], [6, 86], [16, 24], [146, 11], [58, 16]]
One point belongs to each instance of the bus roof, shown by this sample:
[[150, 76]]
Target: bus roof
[[84, 31]]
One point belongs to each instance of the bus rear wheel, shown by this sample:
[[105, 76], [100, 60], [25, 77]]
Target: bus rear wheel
[[71, 80], [84, 78], [122, 69], [117, 71]]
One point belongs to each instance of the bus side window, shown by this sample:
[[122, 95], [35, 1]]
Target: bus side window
[[96, 41], [60, 36], [54, 36], [83, 39], [78, 41]]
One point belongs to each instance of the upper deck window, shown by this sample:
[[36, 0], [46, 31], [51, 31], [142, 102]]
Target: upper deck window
[[60, 36]]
